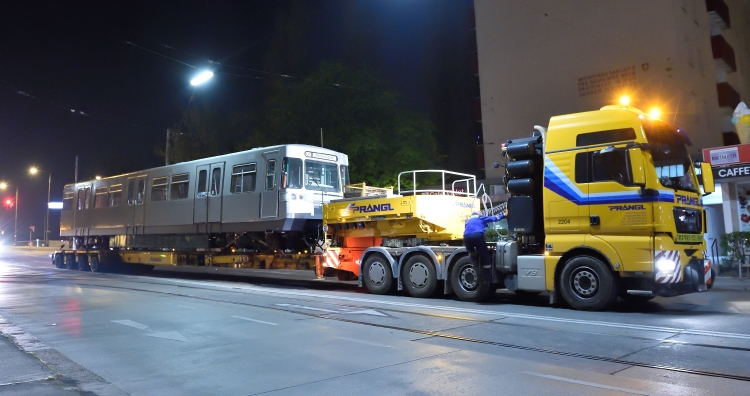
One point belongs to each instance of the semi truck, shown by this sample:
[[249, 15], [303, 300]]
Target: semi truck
[[601, 204]]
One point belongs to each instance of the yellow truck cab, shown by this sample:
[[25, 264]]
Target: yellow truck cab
[[621, 209], [602, 204]]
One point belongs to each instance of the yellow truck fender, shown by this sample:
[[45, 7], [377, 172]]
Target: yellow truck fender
[[595, 247]]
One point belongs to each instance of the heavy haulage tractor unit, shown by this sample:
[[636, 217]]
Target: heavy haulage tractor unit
[[602, 204]]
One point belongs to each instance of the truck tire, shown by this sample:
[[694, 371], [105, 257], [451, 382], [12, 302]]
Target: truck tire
[[466, 282], [70, 262], [83, 262], [587, 284], [377, 274], [419, 276], [96, 265], [59, 260]]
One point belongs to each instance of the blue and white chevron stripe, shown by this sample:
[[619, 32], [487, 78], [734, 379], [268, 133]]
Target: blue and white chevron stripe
[[560, 183]]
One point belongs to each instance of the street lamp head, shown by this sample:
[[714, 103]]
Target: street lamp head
[[33, 170], [202, 77], [3, 185]]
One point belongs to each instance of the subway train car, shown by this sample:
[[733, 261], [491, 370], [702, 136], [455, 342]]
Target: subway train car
[[264, 199]]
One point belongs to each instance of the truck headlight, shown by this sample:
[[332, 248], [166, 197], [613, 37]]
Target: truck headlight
[[665, 265]]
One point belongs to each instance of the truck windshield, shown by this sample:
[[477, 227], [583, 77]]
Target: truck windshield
[[674, 168], [321, 176]]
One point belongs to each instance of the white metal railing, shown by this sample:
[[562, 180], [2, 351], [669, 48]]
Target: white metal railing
[[470, 182]]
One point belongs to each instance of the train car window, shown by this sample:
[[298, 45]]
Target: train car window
[[202, 177], [87, 198], [291, 174], [100, 197], [115, 194], [321, 176], [216, 181], [159, 189], [270, 174], [243, 178], [141, 191], [179, 188], [68, 200], [80, 199], [344, 175], [131, 192]]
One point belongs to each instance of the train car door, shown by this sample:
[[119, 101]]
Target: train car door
[[208, 192], [83, 203], [269, 197], [136, 199]]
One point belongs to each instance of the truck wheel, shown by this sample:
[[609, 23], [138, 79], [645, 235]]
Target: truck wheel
[[466, 281], [377, 275], [70, 262], [96, 265], [83, 262], [419, 276], [587, 284], [59, 260]]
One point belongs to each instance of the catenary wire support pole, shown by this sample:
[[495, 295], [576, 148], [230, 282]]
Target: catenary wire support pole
[[167, 150], [46, 220]]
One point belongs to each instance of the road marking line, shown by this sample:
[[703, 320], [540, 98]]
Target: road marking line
[[365, 312], [255, 320], [592, 384], [169, 335], [306, 307], [128, 322], [364, 342], [185, 306], [482, 312]]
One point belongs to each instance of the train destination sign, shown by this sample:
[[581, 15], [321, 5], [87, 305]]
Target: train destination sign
[[731, 172]]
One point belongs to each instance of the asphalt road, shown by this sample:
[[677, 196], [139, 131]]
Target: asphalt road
[[199, 331]]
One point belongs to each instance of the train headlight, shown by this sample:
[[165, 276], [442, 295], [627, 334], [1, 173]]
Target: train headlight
[[665, 265]]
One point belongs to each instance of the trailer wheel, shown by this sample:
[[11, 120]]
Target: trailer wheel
[[70, 262], [587, 284], [466, 282], [419, 276], [59, 260], [377, 275], [83, 262], [96, 265]]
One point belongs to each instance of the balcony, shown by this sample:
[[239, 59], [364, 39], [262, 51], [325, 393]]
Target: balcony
[[723, 54], [719, 13], [728, 97]]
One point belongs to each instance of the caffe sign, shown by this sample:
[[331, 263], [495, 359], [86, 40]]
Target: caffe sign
[[731, 172]]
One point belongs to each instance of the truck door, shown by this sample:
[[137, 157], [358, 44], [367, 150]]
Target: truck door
[[623, 215], [567, 176], [269, 197]]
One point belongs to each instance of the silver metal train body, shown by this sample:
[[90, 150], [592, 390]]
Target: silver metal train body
[[270, 196]]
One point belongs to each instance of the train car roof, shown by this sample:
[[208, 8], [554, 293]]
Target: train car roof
[[278, 146]]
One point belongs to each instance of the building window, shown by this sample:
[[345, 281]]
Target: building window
[[179, 188], [243, 178], [159, 189]]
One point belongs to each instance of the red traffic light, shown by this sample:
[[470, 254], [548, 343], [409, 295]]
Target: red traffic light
[[8, 203]]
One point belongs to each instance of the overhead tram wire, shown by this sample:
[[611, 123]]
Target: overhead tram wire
[[72, 109]]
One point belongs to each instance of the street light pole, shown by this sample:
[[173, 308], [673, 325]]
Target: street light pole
[[46, 219], [15, 225]]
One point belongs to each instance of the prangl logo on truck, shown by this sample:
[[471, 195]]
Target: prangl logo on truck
[[627, 207], [685, 200], [370, 208]]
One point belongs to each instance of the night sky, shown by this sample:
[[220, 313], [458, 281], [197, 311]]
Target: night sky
[[104, 80]]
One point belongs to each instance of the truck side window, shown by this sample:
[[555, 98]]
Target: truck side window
[[612, 166], [582, 168]]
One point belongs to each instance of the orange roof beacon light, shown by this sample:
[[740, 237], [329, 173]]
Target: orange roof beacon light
[[654, 113], [624, 100]]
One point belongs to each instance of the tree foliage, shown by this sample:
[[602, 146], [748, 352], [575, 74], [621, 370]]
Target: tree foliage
[[359, 115]]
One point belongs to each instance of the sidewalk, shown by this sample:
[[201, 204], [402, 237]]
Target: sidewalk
[[732, 283]]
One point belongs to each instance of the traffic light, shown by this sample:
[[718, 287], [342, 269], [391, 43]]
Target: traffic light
[[8, 203], [523, 178]]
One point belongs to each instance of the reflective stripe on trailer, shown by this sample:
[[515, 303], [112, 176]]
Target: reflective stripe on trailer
[[331, 259]]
